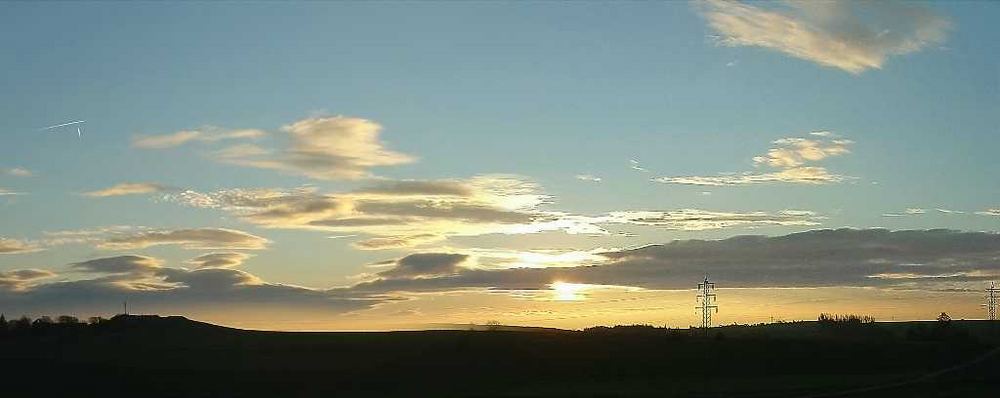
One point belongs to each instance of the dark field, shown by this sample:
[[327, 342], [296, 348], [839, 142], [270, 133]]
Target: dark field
[[151, 356]]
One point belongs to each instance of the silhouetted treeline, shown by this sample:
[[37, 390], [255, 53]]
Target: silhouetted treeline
[[24, 324], [844, 319]]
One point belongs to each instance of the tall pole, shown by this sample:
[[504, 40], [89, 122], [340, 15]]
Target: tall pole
[[706, 302], [991, 300]]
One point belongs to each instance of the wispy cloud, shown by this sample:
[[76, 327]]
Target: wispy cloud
[[18, 172], [397, 242], [397, 214], [916, 211], [206, 134], [793, 157], [588, 177], [219, 260], [797, 175], [989, 212], [635, 165], [20, 279], [127, 188], [794, 152], [394, 213], [15, 246], [129, 264], [697, 220], [198, 238], [851, 36], [326, 148], [948, 211]]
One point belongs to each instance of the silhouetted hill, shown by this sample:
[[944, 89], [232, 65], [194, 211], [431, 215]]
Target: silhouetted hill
[[161, 324], [152, 356]]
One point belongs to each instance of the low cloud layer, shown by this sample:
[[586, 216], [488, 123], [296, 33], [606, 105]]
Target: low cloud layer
[[851, 36], [917, 259], [425, 265], [154, 288], [793, 158], [939, 260]]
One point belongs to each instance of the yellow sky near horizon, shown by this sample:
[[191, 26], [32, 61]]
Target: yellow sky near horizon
[[612, 306]]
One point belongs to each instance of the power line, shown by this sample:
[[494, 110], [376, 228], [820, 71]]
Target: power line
[[706, 302]]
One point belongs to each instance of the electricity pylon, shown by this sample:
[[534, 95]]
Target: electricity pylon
[[991, 300], [706, 302]]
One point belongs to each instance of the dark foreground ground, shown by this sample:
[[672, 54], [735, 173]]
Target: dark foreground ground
[[167, 357]]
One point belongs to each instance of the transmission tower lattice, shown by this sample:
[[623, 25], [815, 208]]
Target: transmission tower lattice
[[706, 302], [991, 300]]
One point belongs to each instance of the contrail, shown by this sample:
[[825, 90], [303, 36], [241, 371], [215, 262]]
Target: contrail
[[64, 124]]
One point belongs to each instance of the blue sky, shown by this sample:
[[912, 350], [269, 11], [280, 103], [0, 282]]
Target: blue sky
[[544, 91]]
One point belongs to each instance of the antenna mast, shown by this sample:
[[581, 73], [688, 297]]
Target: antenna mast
[[706, 302], [991, 300]]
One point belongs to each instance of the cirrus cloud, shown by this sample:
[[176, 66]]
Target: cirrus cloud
[[851, 36], [792, 157], [206, 134], [196, 238], [18, 172], [127, 188]]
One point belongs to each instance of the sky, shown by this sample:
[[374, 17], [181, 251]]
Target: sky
[[374, 166]]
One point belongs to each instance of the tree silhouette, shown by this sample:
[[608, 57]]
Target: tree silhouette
[[22, 324], [944, 319], [67, 320]]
